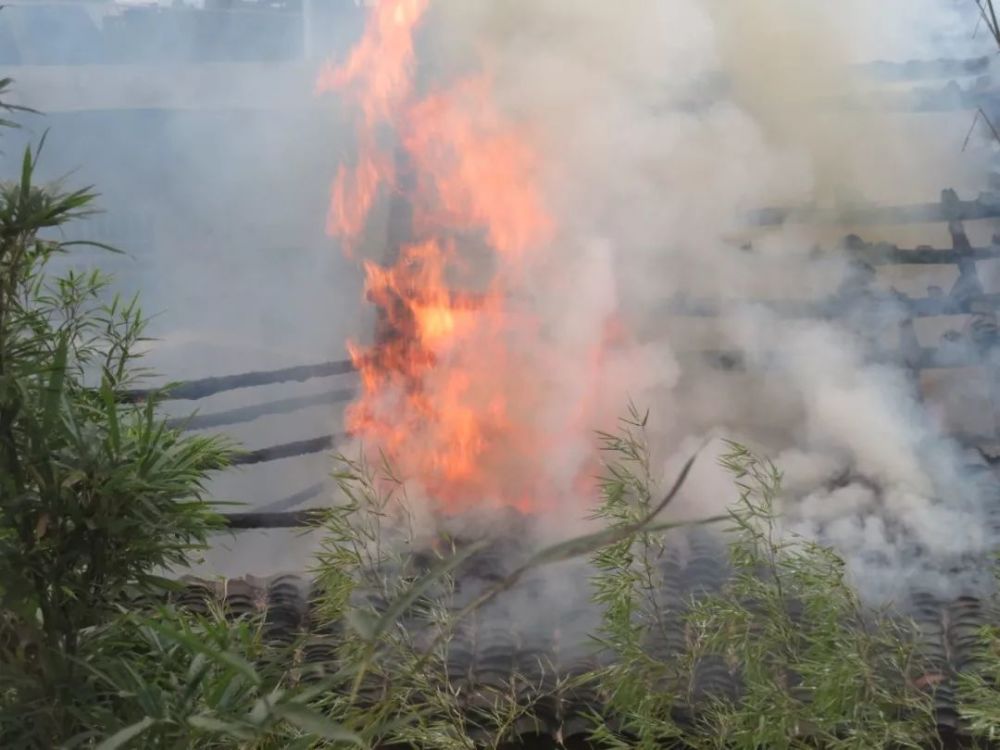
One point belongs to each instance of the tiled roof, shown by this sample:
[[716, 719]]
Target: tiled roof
[[538, 643]]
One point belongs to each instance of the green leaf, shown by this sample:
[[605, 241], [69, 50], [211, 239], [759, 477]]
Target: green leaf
[[167, 584], [315, 723], [111, 413], [41, 146], [123, 736], [79, 739], [421, 585], [363, 623], [217, 726], [225, 658], [91, 243], [328, 685], [589, 543], [54, 391], [26, 169]]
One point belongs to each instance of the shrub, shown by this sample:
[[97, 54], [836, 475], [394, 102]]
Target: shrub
[[97, 495], [783, 654]]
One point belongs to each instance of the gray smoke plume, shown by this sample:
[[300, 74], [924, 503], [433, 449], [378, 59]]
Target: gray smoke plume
[[663, 126]]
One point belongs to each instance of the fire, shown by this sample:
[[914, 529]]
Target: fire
[[444, 393], [378, 72], [354, 194], [377, 75], [478, 167]]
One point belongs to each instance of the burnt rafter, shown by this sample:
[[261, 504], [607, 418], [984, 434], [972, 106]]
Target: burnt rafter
[[957, 356], [986, 206], [979, 93], [287, 450], [192, 390], [949, 209], [951, 355], [295, 519], [886, 254], [249, 413], [935, 304], [913, 70]]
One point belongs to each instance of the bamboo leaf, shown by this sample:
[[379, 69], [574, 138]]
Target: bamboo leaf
[[26, 169], [216, 726], [363, 623], [126, 735], [315, 723], [224, 658], [421, 586], [584, 545], [167, 584], [54, 391], [92, 243], [111, 415], [79, 739]]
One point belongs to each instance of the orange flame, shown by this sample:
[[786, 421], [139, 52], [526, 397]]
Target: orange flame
[[378, 72], [354, 194], [378, 77], [444, 394], [479, 168]]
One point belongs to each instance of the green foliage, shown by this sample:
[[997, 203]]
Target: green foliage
[[979, 683], [96, 495], [399, 616], [979, 688], [180, 679], [822, 669], [5, 86], [811, 666], [403, 617], [626, 587]]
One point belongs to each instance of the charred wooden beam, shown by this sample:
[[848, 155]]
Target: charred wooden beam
[[986, 206], [922, 358], [884, 253], [250, 413], [287, 450], [914, 70], [288, 520], [192, 390], [291, 501], [947, 98], [919, 307]]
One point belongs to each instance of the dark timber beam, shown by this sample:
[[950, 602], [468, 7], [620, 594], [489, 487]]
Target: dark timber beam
[[192, 390]]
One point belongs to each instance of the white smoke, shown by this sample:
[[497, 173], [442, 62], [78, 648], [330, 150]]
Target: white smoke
[[663, 124]]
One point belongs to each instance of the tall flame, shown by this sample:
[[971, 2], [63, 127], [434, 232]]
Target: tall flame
[[444, 394]]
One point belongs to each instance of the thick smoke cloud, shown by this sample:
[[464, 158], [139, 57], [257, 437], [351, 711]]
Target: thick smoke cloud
[[663, 125]]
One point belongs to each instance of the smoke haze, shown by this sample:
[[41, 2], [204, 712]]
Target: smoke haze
[[662, 126]]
